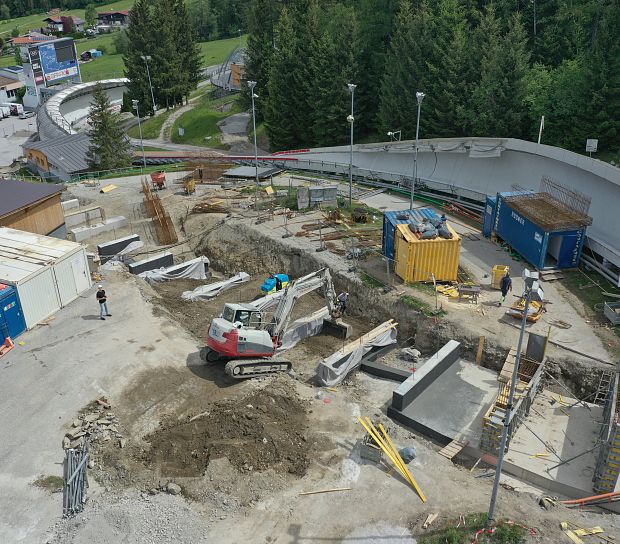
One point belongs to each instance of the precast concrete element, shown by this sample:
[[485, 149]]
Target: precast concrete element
[[85, 216], [83, 233], [68, 205], [413, 386], [161, 260], [114, 247]]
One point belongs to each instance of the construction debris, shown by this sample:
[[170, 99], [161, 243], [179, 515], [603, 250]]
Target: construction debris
[[210, 206], [99, 424]]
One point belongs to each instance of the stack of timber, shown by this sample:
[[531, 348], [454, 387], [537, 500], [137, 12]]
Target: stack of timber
[[210, 206]]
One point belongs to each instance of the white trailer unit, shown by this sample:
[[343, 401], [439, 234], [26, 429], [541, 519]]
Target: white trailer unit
[[48, 273]]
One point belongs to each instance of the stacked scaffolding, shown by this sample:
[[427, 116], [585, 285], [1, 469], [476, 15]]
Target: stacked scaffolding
[[164, 229], [528, 385], [608, 463]]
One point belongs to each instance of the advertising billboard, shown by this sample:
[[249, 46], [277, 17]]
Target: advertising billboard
[[58, 60], [35, 62]]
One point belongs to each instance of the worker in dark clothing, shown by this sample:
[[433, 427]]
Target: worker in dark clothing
[[342, 300], [103, 304], [505, 285], [278, 283]]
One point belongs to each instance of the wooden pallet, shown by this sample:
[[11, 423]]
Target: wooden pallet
[[453, 449], [551, 275]]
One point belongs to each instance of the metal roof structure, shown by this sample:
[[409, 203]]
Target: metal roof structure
[[15, 195], [250, 172], [24, 253], [67, 153]]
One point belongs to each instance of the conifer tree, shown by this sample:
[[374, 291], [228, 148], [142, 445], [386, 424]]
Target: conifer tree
[[406, 70], [140, 36], [282, 115], [109, 147]]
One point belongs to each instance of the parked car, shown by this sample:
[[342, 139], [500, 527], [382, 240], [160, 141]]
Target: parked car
[[27, 114]]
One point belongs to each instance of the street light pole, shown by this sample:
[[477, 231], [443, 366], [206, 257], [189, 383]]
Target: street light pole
[[251, 85], [146, 59], [136, 107], [531, 289], [351, 120], [419, 97]]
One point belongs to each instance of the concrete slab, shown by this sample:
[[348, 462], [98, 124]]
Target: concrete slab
[[453, 404], [568, 432]]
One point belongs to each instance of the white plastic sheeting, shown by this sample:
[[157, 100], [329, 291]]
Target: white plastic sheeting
[[214, 289], [334, 369], [194, 269], [302, 328]]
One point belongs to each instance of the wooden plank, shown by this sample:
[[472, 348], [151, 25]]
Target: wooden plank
[[453, 449], [480, 349]]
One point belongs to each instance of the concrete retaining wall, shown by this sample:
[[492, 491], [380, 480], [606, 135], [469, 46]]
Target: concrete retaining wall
[[68, 205], [413, 386]]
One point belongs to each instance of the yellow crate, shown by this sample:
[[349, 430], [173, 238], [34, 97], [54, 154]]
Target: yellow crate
[[498, 272]]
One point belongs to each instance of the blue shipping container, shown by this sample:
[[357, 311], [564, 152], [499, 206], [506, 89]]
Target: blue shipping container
[[391, 219], [489, 216], [542, 249], [12, 321]]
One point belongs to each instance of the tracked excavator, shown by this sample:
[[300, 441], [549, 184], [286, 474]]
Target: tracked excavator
[[247, 341]]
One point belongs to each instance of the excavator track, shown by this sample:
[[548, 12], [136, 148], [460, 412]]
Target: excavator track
[[252, 368]]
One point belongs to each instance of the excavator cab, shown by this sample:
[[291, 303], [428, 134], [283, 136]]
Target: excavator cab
[[245, 314]]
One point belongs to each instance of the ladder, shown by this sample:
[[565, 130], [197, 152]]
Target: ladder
[[602, 391]]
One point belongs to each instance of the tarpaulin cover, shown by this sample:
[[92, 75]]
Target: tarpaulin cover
[[302, 328], [214, 289], [194, 269], [334, 369]]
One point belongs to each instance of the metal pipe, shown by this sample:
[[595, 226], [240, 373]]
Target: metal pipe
[[507, 418], [148, 73], [351, 120]]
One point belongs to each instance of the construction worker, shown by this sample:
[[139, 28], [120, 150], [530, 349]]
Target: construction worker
[[505, 286], [103, 304], [278, 283], [342, 300]]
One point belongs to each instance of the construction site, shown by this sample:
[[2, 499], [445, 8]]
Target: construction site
[[278, 364]]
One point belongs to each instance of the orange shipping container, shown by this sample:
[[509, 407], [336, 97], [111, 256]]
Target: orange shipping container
[[417, 259]]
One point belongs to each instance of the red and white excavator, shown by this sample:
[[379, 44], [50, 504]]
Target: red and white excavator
[[244, 339]]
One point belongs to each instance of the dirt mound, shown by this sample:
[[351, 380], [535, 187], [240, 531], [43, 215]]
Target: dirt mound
[[266, 429]]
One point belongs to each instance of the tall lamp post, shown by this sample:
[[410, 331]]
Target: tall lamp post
[[251, 85], [533, 291], [146, 59], [419, 97], [136, 107], [351, 120]]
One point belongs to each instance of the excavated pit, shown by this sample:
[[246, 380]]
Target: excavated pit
[[259, 253]]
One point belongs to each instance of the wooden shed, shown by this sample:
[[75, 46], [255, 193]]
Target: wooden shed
[[32, 207]]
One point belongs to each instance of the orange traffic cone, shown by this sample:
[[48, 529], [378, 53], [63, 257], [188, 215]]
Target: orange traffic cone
[[7, 346]]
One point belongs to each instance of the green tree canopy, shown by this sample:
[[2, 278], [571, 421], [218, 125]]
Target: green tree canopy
[[109, 147]]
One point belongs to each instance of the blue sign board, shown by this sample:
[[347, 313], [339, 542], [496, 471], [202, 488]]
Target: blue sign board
[[58, 60]]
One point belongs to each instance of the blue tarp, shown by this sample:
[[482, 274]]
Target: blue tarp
[[270, 283]]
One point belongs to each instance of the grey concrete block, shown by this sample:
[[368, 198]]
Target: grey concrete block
[[113, 247], [161, 260], [83, 233], [384, 371], [72, 204], [86, 216]]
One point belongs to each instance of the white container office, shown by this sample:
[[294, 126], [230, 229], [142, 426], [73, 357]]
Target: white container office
[[48, 273]]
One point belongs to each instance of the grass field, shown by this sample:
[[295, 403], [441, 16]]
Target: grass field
[[151, 127], [200, 123]]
